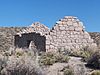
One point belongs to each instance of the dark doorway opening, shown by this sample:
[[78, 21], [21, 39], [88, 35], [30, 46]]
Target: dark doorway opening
[[25, 39], [28, 43]]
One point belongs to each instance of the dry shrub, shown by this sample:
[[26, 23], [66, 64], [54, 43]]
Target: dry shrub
[[61, 58], [94, 60], [96, 72], [85, 52], [68, 72], [21, 62], [50, 58], [3, 62], [47, 59], [21, 66]]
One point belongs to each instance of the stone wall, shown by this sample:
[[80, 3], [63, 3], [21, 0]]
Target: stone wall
[[68, 33], [36, 27], [35, 34]]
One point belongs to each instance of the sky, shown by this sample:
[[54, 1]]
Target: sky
[[25, 12]]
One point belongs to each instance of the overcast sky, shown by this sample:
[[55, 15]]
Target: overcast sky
[[25, 12]]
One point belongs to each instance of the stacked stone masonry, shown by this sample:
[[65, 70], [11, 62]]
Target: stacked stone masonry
[[35, 27], [67, 33]]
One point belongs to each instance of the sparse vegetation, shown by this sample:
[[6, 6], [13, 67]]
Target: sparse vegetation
[[68, 71], [85, 53], [96, 72], [20, 62], [47, 59], [51, 58], [94, 60]]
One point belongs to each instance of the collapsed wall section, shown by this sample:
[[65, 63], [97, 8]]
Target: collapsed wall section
[[33, 35], [36, 27], [68, 33]]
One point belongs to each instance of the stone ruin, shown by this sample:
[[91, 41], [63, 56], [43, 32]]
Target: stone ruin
[[67, 33], [35, 34]]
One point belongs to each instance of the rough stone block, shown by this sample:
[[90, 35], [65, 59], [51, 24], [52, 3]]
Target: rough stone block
[[66, 28], [72, 40], [67, 47], [52, 33], [54, 37], [48, 42], [63, 40], [68, 41], [56, 27], [63, 32], [84, 41], [47, 47], [64, 23], [81, 36], [51, 47], [71, 28], [48, 37], [90, 40], [70, 19], [86, 36], [78, 29], [59, 40], [77, 47], [94, 45], [76, 41], [75, 24], [62, 28], [69, 36], [76, 36], [69, 23]]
